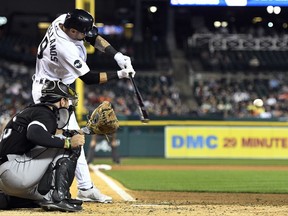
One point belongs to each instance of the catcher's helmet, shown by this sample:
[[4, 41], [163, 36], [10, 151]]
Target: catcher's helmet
[[53, 91], [80, 20]]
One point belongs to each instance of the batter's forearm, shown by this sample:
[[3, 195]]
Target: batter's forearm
[[104, 46], [98, 77]]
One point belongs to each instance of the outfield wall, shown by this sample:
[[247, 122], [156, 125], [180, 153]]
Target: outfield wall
[[200, 139]]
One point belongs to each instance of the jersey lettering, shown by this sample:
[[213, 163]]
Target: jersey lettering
[[52, 44], [53, 52]]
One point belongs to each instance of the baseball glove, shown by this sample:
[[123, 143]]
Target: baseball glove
[[103, 120]]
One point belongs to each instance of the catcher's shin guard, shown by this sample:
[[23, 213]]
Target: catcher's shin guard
[[64, 175], [75, 153]]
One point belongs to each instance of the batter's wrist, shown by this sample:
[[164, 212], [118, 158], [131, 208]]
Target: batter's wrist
[[112, 75]]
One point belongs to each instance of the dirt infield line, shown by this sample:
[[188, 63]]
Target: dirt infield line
[[112, 184]]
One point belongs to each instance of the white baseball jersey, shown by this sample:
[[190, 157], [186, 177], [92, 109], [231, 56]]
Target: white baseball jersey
[[59, 56]]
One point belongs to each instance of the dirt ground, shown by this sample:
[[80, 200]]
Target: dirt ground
[[176, 203]]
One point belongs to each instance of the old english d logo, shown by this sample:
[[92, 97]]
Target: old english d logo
[[77, 64]]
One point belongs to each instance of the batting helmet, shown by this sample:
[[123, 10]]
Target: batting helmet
[[53, 91], [80, 20]]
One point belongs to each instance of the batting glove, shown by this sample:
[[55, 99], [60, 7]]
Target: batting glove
[[124, 73], [123, 61]]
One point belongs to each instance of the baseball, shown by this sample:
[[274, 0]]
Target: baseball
[[258, 102]]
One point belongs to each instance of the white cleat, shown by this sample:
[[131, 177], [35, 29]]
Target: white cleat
[[93, 195]]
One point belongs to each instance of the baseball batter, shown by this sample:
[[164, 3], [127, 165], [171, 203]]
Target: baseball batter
[[62, 56], [35, 165]]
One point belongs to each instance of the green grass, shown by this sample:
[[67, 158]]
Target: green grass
[[204, 181], [201, 180]]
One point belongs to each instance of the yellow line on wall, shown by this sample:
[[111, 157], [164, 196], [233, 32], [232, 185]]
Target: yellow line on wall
[[200, 123], [204, 123]]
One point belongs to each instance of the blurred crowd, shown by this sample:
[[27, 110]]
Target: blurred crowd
[[15, 89], [160, 96], [234, 97]]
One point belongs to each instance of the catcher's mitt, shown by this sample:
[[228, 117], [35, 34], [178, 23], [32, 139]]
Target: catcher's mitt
[[103, 120]]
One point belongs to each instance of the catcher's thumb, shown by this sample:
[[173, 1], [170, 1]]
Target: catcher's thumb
[[77, 140]]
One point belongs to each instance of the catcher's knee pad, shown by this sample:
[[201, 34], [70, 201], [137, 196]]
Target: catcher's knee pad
[[64, 175]]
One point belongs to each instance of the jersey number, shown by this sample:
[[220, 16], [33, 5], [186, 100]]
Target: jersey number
[[42, 47], [6, 133]]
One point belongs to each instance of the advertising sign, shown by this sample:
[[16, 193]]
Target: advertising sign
[[242, 3], [226, 142]]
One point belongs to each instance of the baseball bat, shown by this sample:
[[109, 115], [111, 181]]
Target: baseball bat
[[143, 112]]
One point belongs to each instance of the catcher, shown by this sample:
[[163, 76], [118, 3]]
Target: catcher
[[36, 167], [28, 144]]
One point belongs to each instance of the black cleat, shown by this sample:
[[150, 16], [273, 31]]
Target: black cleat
[[10, 202], [64, 206], [75, 202], [4, 201]]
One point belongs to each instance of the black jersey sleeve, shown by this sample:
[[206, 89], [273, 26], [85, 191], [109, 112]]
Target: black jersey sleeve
[[42, 128], [38, 135]]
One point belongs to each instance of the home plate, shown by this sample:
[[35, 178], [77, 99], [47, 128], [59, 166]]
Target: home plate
[[101, 166]]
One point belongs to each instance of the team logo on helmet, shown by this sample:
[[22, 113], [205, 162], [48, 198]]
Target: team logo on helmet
[[77, 64]]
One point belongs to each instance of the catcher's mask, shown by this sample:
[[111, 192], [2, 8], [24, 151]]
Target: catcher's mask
[[53, 91], [63, 116]]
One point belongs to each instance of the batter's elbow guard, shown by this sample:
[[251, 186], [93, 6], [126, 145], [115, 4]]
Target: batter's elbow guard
[[92, 35]]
